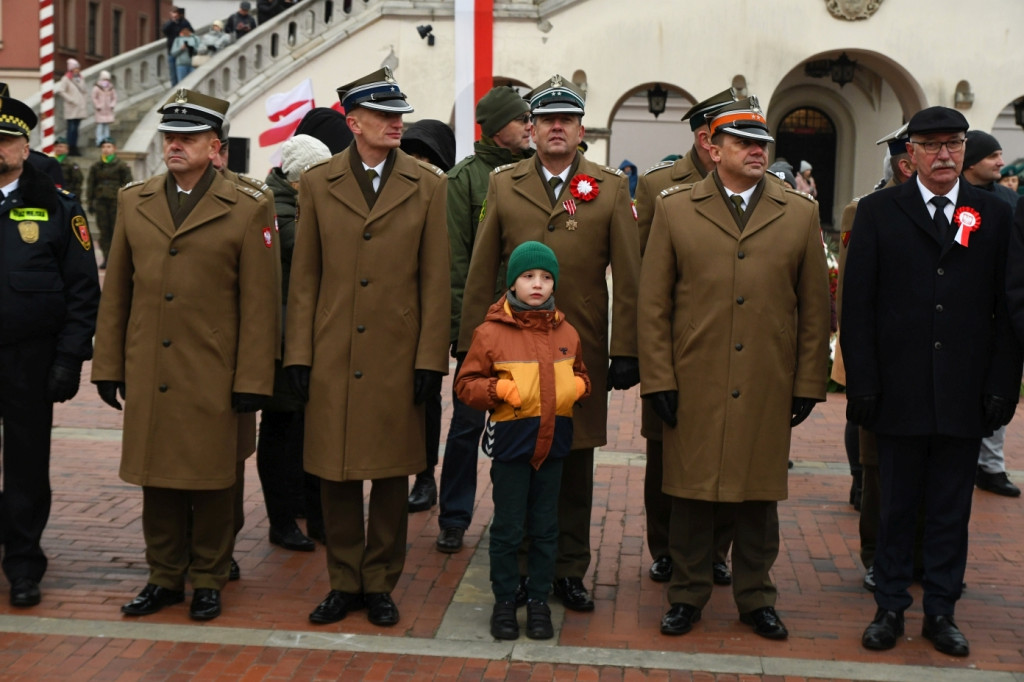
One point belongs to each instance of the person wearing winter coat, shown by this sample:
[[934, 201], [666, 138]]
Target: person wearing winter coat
[[71, 91], [215, 39], [104, 100], [525, 365], [185, 47]]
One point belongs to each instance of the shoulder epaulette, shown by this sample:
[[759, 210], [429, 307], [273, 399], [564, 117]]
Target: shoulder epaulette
[[69, 195], [251, 191], [613, 171], [255, 182], [503, 168], [426, 165], [315, 164], [676, 188], [659, 166], [797, 192], [133, 184], [457, 168]]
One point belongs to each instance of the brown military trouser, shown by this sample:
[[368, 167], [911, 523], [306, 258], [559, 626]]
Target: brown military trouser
[[575, 498], [370, 561], [172, 551], [754, 550], [658, 509]]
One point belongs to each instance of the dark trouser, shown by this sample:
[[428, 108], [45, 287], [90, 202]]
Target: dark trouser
[[940, 470], [575, 498], [754, 550], [106, 217], [658, 510], [525, 506], [370, 561], [869, 502], [851, 439], [73, 134], [279, 464], [432, 410], [27, 415], [458, 469], [172, 69], [172, 551]]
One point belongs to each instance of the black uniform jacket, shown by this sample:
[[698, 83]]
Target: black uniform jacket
[[925, 321], [48, 280]]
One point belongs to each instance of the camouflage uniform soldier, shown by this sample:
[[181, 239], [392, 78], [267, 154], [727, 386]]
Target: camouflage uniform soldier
[[106, 177]]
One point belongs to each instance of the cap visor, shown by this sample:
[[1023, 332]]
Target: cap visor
[[557, 108], [392, 106], [750, 134], [183, 127]]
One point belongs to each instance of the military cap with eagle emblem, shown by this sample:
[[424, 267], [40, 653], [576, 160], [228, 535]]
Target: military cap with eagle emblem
[[556, 96], [378, 91], [16, 117], [697, 113], [188, 111], [742, 118]]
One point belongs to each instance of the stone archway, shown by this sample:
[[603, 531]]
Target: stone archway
[[635, 134]]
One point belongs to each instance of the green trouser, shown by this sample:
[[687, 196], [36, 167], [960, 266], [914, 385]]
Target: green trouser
[[106, 217], [525, 506], [172, 551], [754, 550]]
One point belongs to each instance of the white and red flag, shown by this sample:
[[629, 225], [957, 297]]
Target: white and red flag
[[285, 110]]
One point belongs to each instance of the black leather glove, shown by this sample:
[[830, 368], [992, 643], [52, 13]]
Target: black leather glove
[[108, 391], [298, 377], [998, 411], [665, 404], [248, 402], [426, 382], [801, 410], [862, 411], [623, 373], [65, 375]]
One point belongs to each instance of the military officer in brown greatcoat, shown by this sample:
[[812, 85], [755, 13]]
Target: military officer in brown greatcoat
[[657, 505], [734, 327], [367, 339], [188, 330], [583, 211]]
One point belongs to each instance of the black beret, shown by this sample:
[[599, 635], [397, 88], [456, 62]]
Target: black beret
[[937, 120]]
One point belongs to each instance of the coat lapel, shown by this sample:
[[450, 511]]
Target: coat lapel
[[709, 203], [400, 186], [343, 186], [910, 202], [769, 207], [216, 203], [527, 182], [153, 206]]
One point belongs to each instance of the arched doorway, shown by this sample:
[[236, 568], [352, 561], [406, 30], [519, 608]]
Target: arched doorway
[[640, 136], [809, 134]]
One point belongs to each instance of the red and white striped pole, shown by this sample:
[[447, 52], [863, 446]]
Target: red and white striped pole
[[474, 71], [46, 73]]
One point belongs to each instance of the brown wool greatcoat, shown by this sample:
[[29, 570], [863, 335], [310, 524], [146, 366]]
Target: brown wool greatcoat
[[186, 318], [518, 209], [368, 303], [738, 323]]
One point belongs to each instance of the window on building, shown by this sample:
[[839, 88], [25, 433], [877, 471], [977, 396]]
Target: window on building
[[117, 32], [92, 28], [144, 30], [66, 22]]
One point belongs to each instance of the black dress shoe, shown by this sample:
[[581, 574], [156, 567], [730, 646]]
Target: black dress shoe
[[521, 595], [152, 599], [680, 619], [720, 574], [765, 623], [998, 483], [573, 595], [884, 630], [538, 620], [25, 592], [423, 495], [315, 531], [661, 569], [869, 580], [335, 606], [292, 539], [450, 540], [205, 604], [945, 635], [503, 621], [235, 573], [383, 611]]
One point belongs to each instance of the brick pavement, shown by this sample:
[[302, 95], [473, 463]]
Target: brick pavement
[[95, 546]]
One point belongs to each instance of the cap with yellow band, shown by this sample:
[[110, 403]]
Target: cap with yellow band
[[16, 117]]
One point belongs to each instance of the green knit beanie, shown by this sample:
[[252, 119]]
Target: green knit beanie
[[529, 256], [498, 107]]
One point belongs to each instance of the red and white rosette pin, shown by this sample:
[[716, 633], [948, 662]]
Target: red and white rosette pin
[[584, 187], [268, 237], [967, 220]]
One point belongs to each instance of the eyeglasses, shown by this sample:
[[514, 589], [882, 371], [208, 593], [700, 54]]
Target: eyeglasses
[[933, 147], [524, 119]]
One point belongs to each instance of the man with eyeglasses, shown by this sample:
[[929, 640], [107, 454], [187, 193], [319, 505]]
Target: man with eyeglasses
[[504, 118], [932, 366]]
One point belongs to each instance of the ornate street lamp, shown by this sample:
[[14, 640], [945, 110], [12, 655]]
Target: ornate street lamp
[[656, 98]]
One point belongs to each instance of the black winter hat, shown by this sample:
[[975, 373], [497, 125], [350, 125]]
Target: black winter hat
[[328, 126], [979, 144]]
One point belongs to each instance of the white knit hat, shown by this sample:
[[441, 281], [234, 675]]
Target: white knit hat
[[299, 152], [805, 166]]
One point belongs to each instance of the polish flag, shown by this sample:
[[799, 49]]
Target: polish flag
[[474, 61], [285, 110]]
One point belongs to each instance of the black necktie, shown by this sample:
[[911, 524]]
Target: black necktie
[[737, 201], [371, 173], [940, 220], [554, 181]]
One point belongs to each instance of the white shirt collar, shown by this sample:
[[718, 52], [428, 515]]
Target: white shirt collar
[[927, 195]]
